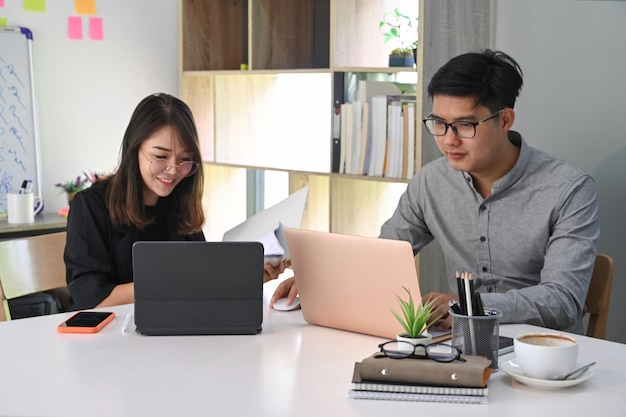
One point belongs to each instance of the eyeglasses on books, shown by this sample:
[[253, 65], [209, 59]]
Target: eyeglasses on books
[[400, 349]]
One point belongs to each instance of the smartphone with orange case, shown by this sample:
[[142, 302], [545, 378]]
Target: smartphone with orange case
[[86, 322]]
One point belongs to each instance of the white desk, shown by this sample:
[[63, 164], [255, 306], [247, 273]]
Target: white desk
[[290, 369]]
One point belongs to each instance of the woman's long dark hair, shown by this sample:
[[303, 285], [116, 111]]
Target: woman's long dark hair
[[125, 193]]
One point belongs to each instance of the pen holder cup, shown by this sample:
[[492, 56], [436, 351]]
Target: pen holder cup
[[22, 207], [477, 335]]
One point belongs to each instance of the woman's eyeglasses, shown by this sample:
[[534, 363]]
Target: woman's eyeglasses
[[159, 165], [439, 352]]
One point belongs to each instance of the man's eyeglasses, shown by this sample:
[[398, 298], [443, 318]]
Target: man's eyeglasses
[[439, 352], [463, 129], [159, 165]]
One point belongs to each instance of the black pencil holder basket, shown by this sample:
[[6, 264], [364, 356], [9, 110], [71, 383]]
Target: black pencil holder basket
[[477, 335]]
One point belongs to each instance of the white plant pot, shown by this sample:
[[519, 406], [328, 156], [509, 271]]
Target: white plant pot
[[424, 339]]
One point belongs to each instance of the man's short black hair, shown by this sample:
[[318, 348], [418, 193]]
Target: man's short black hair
[[492, 77]]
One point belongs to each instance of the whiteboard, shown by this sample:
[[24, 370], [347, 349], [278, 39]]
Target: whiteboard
[[19, 139]]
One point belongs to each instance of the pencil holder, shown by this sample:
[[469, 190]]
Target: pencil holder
[[477, 335]]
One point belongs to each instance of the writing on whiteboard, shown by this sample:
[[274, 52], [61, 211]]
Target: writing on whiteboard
[[18, 160]]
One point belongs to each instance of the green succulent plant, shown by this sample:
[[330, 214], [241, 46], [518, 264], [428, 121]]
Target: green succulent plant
[[415, 318]]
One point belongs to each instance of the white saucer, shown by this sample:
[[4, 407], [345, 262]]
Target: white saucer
[[512, 368]]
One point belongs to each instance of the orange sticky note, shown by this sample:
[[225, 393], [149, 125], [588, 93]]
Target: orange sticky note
[[35, 5], [95, 28], [74, 27], [85, 6]]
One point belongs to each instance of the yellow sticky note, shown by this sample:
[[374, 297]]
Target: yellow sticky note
[[85, 6], [3, 21], [35, 5]]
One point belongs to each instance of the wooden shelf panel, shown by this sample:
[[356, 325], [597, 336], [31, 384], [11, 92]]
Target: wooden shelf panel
[[197, 90], [290, 34], [214, 34], [360, 207], [274, 120]]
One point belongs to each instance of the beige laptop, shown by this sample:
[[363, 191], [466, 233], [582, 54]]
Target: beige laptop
[[350, 282]]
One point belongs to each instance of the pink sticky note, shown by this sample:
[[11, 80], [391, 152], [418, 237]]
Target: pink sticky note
[[95, 28], [1, 3], [75, 27], [85, 6]]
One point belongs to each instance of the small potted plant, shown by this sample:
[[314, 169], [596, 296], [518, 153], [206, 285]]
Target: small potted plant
[[415, 319], [403, 30], [72, 187]]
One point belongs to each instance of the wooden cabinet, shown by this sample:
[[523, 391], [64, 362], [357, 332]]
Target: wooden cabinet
[[259, 77]]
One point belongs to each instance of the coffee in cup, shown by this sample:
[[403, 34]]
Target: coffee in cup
[[546, 355]]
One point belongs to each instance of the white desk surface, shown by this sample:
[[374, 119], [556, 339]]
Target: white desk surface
[[290, 369]]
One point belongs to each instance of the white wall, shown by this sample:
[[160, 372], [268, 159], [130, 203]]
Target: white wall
[[87, 90], [572, 103]]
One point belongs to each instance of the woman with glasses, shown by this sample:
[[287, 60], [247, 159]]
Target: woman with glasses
[[155, 194]]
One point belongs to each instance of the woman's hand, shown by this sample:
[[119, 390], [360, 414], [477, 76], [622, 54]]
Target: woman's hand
[[272, 272], [288, 289]]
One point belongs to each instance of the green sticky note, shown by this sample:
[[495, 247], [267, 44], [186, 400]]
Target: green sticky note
[[3, 21], [35, 5]]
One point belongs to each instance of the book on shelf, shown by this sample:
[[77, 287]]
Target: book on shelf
[[394, 138], [408, 117], [400, 391], [366, 139], [367, 153], [357, 128], [345, 132], [337, 102], [379, 135], [363, 130]]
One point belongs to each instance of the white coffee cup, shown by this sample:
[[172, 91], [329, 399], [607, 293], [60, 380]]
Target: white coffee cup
[[22, 207], [546, 355]]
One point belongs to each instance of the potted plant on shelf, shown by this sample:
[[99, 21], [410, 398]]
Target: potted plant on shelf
[[72, 187], [415, 320], [403, 30]]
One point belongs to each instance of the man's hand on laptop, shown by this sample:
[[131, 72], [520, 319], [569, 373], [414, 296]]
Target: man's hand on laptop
[[441, 308], [288, 289], [272, 272]]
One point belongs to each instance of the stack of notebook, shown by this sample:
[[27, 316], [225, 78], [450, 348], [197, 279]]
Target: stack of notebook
[[421, 380]]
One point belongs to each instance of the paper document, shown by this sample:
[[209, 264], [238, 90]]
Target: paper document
[[271, 245]]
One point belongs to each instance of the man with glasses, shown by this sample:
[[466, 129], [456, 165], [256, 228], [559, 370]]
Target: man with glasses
[[524, 223]]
